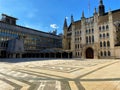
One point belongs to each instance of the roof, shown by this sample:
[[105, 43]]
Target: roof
[[115, 14], [9, 16]]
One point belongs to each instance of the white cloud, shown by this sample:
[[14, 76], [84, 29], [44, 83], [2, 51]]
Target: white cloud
[[54, 26]]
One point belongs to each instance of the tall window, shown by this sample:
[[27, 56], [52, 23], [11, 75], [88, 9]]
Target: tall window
[[103, 27], [105, 54], [107, 35], [86, 31], [104, 44], [108, 44], [109, 53], [107, 27], [101, 53], [103, 35], [92, 30], [93, 39], [89, 31], [90, 39], [100, 44], [99, 28], [100, 35], [87, 40]]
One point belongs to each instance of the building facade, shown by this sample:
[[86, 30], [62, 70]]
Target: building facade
[[94, 37], [18, 41]]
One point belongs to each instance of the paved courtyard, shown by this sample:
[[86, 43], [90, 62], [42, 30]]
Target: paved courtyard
[[76, 74]]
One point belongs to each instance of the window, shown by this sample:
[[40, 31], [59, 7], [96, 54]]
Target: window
[[101, 53], [90, 39], [103, 27], [105, 53], [93, 39], [107, 27], [86, 31], [87, 40], [109, 53], [108, 43], [103, 35], [92, 30], [75, 46], [104, 44], [78, 53], [100, 35], [89, 31], [80, 32], [100, 44], [107, 35], [99, 28]]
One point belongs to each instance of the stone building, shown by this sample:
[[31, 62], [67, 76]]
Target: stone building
[[18, 41], [94, 37]]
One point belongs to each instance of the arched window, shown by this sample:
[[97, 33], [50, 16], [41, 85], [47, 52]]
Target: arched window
[[90, 39], [107, 35], [78, 53], [108, 44], [104, 44], [109, 53], [105, 54], [100, 35], [101, 53], [107, 27], [87, 40], [93, 39], [99, 28], [92, 30], [103, 35], [103, 27], [89, 31], [86, 31], [100, 44]]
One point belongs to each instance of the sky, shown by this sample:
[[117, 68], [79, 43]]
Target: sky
[[48, 15]]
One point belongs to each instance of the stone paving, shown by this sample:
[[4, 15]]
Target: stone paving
[[76, 74]]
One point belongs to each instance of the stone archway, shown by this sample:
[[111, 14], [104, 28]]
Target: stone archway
[[89, 53]]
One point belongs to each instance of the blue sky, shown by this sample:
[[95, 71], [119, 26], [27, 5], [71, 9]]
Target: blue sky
[[47, 15]]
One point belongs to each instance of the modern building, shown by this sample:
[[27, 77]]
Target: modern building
[[94, 37], [18, 41]]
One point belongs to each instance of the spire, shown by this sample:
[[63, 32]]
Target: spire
[[110, 11], [65, 23], [101, 2], [83, 14], [72, 19], [95, 11], [101, 8]]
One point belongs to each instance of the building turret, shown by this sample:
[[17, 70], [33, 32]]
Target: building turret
[[95, 11], [83, 15], [72, 19], [65, 24], [101, 8]]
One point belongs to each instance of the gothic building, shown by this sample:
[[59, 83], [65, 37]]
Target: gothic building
[[94, 37]]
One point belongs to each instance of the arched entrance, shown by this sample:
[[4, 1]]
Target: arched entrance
[[89, 53]]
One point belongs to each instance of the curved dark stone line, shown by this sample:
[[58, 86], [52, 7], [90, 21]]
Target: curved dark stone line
[[18, 79], [106, 79], [79, 85], [16, 86], [30, 73], [95, 70], [41, 73]]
